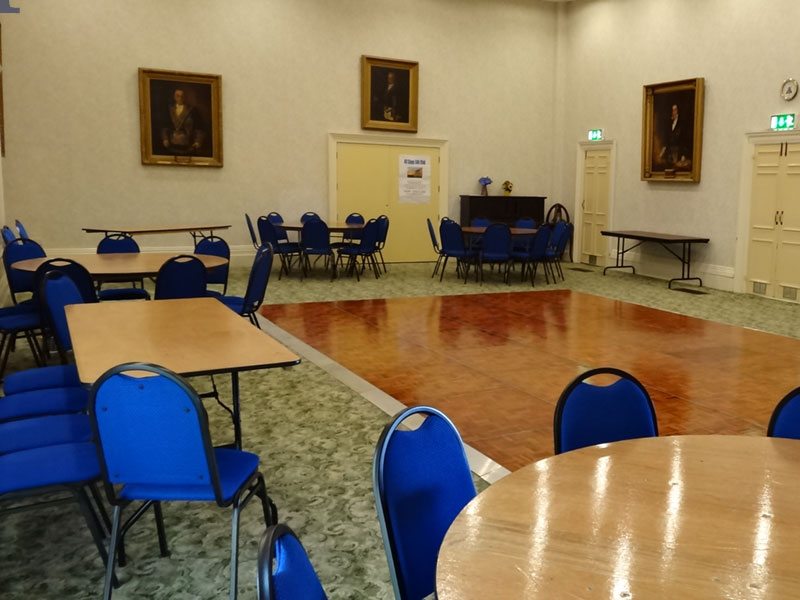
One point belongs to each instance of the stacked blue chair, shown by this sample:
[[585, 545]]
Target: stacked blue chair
[[20, 282], [496, 249], [215, 246], [365, 249], [284, 571], [436, 248], [182, 276], [383, 232], [556, 249], [453, 246], [21, 229], [270, 235], [121, 244], [421, 479], [251, 230], [154, 445], [8, 235], [315, 240], [588, 414], [785, 419], [248, 305]]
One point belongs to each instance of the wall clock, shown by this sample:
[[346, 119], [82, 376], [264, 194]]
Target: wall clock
[[789, 89]]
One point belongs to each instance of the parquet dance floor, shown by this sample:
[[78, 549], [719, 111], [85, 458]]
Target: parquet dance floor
[[496, 363]]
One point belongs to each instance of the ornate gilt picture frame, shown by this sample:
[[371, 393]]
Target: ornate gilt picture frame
[[181, 118], [672, 131], [389, 92]]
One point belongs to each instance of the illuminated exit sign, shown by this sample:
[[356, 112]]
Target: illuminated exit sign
[[595, 135], [781, 122]]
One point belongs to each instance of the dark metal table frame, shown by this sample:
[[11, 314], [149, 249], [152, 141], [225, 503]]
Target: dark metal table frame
[[663, 240]]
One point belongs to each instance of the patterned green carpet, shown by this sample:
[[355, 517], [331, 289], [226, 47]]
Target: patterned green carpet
[[315, 438]]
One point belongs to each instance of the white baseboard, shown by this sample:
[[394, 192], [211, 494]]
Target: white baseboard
[[667, 267]]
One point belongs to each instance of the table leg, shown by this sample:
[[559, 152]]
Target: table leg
[[620, 260], [237, 421], [686, 266]]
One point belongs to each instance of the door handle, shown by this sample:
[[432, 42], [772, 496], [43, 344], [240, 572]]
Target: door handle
[[781, 217], [776, 217]]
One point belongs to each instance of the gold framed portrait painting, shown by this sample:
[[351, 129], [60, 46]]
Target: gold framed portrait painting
[[672, 130], [389, 92], [181, 118]]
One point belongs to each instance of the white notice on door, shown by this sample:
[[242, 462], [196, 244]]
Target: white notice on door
[[414, 179]]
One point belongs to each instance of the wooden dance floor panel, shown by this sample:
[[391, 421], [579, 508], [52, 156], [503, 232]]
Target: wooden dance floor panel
[[497, 363]]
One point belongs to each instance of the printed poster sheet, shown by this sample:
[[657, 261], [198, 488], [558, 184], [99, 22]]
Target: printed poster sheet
[[414, 179]]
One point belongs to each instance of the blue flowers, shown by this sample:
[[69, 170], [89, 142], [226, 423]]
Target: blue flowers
[[485, 180]]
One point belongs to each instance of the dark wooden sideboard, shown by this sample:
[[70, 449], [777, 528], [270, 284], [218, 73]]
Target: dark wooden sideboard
[[502, 209]]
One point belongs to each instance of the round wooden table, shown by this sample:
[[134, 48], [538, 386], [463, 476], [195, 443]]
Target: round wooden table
[[669, 517], [106, 266]]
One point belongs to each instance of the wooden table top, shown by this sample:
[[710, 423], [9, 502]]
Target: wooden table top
[[189, 336], [514, 230], [650, 236], [332, 227], [155, 229], [133, 264], [671, 517]]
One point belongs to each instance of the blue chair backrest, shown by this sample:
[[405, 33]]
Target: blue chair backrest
[[433, 237], [421, 479], [496, 241], [383, 229], [355, 218], [267, 231], [15, 251], [558, 231], [309, 216], [562, 242], [277, 220], [21, 229], [478, 222], [315, 235], [182, 276], [589, 414], [785, 420], [540, 243], [251, 230], [284, 570], [258, 280], [74, 270], [525, 223], [57, 291], [451, 235], [8, 235], [369, 237], [215, 246], [118, 243], [151, 430]]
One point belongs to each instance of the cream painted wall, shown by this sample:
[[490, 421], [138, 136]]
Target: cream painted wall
[[291, 74], [614, 47]]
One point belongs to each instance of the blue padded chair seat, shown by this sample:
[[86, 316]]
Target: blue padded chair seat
[[39, 403], [66, 463], [235, 467], [235, 303], [24, 319], [123, 294], [288, 247], [44, 431], [43, 377]]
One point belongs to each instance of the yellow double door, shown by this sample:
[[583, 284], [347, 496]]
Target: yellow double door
[[368, 181]]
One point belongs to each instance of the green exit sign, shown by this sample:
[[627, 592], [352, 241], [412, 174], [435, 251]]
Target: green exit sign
[[781, 122], [595, 135]]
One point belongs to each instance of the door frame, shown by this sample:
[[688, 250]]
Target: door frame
[[753, 139], [577, 217], [334, 139]]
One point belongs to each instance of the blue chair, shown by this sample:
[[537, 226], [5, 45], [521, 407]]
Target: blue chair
[[248, 305], [315, 240], [436, 248], [383, 232], [534, 256], [277, 220], [365, 249], [20, 281], [8, 235], [270, 235], [38, 432], [557, 246], [355, 218], [453, 246], [153, 444], [72, 269], [43, 402], [785, 419], [21, 229], [421, 479], [308, 216], [56, 292], [56, 376], [284, 571], [496, 249], [215, 246], [120, 243], [19, 321], [251, 230], [522, 243], [182, 276], [588, 414]]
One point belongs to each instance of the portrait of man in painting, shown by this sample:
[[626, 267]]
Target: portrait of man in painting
[[389, 94], [673, 131], [181, 122]]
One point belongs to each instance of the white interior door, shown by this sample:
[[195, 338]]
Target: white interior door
[[595, 205], [764, 217]]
